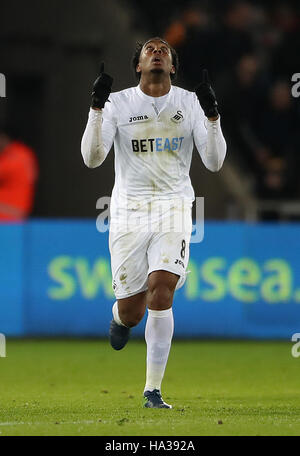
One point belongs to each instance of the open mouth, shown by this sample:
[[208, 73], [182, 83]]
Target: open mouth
[[156, 60]]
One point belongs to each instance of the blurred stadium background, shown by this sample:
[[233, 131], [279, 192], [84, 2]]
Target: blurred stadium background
[[54, 264]]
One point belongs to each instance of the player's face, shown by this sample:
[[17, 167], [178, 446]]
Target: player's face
[[156, 58]]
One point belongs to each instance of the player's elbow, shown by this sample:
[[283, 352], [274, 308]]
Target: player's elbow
[[90, 163], [91, 159], [86, 159], [216, 153], [213, 170], [215, 166]]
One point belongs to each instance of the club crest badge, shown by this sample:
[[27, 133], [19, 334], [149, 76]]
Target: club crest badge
[[178, 117]]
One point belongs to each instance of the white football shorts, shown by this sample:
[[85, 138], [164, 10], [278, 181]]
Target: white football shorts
[[140, 243]]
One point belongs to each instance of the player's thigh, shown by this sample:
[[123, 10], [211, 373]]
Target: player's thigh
[[129, 262], [170, 252]]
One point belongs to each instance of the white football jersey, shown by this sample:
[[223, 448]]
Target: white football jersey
[[153, 142]]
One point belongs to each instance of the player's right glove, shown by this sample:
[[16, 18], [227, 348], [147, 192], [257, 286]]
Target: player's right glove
[[101, 89]]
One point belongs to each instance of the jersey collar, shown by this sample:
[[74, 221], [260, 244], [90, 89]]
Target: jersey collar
[[148, 97]]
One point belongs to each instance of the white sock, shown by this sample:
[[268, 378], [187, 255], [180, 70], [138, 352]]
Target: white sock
[[115, 312], [158, 335]]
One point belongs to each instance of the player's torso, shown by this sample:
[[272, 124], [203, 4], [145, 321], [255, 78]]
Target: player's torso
[[153, 144]]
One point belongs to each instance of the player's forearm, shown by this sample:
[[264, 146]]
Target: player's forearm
[[215, 147], [92, 148]]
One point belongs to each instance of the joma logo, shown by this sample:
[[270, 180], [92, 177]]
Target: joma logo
[[179, 262], [135, 119]]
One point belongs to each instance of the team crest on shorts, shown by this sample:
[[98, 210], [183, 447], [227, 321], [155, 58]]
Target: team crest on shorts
[[178, 117]]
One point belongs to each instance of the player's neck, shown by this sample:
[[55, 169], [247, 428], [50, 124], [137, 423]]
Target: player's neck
[[155, 87]]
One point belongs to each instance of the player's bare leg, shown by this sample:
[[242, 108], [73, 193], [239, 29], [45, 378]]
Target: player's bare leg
[[127, 312], [158, 333], [161, 288], [132, 309]]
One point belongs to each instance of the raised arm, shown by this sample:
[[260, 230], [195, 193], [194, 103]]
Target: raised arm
[[208, 135], [101, 126]]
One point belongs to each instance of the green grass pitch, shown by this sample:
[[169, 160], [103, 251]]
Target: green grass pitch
[[83, 387]]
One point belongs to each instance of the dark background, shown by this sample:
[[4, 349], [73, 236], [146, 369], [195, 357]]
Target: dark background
[[50, 54]]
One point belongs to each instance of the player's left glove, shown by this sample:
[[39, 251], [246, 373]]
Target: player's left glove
[[207, 96], [101, 89]]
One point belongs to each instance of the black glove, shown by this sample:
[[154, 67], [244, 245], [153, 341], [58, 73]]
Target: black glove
[[207, 96], [101, 89]]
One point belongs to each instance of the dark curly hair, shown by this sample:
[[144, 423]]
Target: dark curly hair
[[137, 53]]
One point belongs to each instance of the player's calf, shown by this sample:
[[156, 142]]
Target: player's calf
[[130, 311], [126, 314]]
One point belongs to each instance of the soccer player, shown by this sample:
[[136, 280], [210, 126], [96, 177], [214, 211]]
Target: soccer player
[[154, 127]]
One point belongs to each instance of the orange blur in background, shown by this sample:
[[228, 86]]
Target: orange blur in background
[[18, 175]]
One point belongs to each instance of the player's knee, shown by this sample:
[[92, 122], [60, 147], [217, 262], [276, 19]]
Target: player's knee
[[131, 319], [160, 297]]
